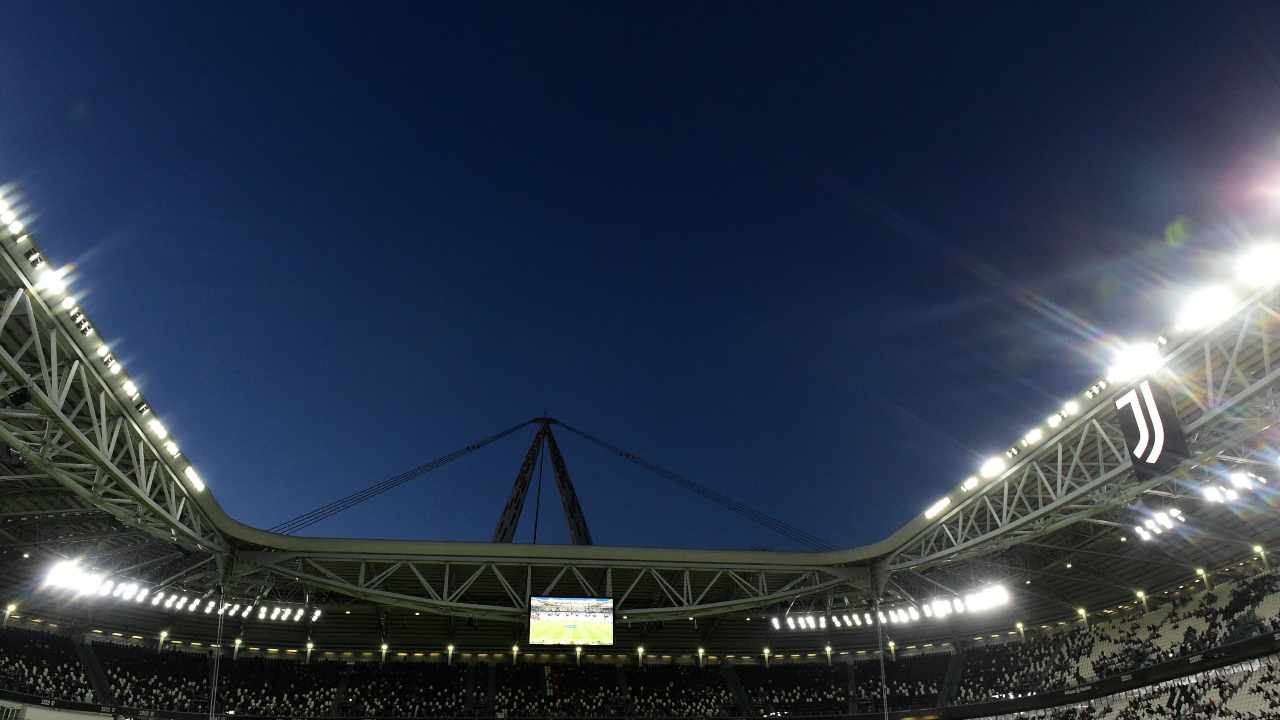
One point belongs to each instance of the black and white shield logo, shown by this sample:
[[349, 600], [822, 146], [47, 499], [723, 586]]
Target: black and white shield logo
[[1151, 429]]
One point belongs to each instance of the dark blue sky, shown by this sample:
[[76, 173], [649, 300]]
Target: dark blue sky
[[813, 255]]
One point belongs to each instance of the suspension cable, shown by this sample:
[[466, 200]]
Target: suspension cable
[[328, 510], [764, 520]]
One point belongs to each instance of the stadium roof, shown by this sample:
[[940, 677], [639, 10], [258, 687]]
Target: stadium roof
[[91, 474]]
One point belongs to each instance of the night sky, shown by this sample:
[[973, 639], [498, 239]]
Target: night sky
[[820, 257]]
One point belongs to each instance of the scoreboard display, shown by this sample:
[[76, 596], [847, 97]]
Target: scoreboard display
[[570, 621]]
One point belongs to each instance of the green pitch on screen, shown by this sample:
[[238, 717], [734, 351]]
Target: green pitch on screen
[[570, 621]]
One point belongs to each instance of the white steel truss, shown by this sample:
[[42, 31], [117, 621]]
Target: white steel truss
[[1224, 384]]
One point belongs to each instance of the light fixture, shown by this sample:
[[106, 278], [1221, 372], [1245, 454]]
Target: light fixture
[[1071, 407], [1259, 266], [969, 483], [1135, 361], [1205, 308], [157, 428], [935, 509], [51, 281], [194, 478], [1053, 420], [1033, 436], [992, 467]]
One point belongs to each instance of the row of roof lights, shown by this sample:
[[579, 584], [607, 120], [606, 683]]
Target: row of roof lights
[[68, 575], [1257, 268], [53, 282], [1158, 523], [987, 598], [1237, 482]]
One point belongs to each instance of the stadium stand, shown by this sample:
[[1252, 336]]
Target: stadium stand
[[912, 682], [37, 663], [555, 691], [797, 689], [672, 691], [1189, 621]]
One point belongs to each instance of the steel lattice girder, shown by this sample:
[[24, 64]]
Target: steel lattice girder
[[77, 430], [499, 590], [1224, 384]]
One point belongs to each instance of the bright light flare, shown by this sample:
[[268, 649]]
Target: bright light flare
[[937, 508], [194, 478], [1205, 308], [1135, 361], [52, 281], [1259, 266], [992, 467]]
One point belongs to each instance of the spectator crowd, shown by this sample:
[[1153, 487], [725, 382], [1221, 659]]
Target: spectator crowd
[[49, 665]]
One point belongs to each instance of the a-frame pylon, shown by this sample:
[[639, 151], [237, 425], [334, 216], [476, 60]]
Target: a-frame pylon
[[506, 528]]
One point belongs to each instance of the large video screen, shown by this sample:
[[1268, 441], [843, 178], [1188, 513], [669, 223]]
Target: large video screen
[[570, 621]]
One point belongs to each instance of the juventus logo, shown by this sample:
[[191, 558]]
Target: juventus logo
[[1150, 425]]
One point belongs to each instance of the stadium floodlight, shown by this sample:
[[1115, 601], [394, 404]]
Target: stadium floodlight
[[822, 621], [1212, 493], [129, 389], [142, 595], [1071, 408], [1259, 266], [1257, 550], [857, 620], [774, 621], [927, 609], [298, 614], [835, 620], [935, 509], [311, 645], [1081, 612], [194, 478], [867, 618], [262, 612], [247, 610], [1164, 520], [969, 483], [1200, 572], [1239, 480], [791, 623], [384, 647], [992, 467], [51, 281], [157, 598], [1053, 420], [808, 620], [157, 428], [1230, 495], [275, 613], [957, 605], [913, 613], [164, 634], [1142, 533], [182, 601], [171, 447], [881, 617], [1141, 595], [1033, 436], [1135, 361], [315, 615], [1205, 308]]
